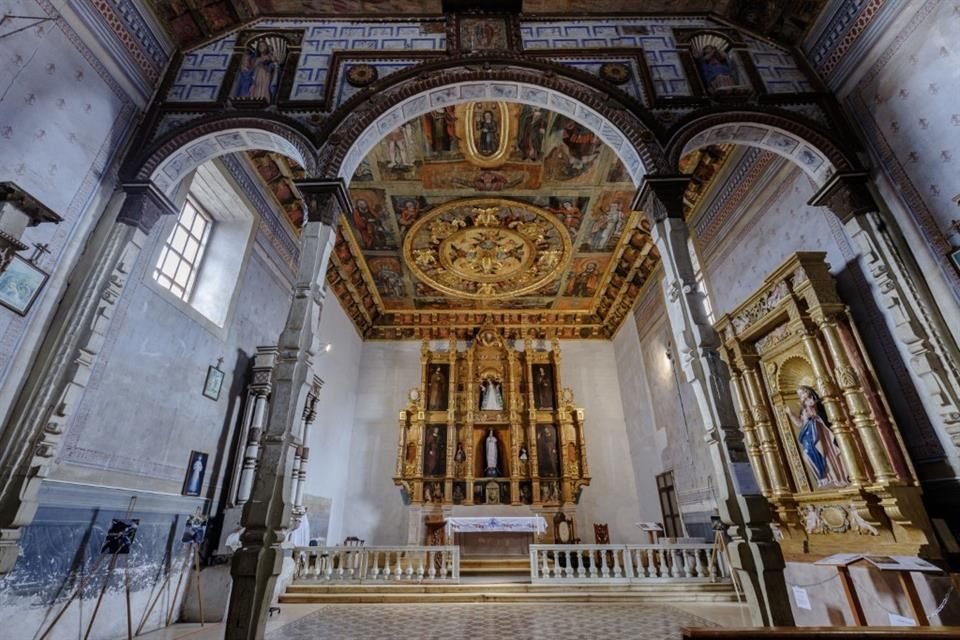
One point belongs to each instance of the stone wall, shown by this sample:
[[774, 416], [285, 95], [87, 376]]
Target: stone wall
[[127, 448]]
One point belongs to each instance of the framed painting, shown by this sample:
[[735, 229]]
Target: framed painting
[[20, 284], [213, 383], [196, 469]]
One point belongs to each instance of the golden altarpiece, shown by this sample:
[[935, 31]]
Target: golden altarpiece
[[819, 432], [490, 424]]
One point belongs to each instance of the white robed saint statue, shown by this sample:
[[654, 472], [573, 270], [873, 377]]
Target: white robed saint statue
[[491, 398], [491, 450]]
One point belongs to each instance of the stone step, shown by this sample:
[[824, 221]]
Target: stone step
[[330, 593], [495, 565]]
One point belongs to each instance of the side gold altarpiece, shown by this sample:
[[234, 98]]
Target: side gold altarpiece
[[820, 435], [490, 424]]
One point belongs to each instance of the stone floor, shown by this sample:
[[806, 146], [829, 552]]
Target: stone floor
[[480, 622]]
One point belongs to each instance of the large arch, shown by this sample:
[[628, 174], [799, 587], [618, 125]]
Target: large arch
[[621, 122], [172, 157], [783, 133]]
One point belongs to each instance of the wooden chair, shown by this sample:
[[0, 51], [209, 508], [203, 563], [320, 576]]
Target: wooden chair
[[601, 533], [353, 541]]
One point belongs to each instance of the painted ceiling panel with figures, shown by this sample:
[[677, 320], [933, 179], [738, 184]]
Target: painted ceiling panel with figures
[[492, 208], [489, 210]]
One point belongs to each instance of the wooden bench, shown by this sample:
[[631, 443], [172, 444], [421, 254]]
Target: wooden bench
[[821, 633]]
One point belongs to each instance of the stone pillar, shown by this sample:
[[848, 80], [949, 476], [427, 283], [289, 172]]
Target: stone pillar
[[258, 562], [929, 351], [756, 558], [31, 436]]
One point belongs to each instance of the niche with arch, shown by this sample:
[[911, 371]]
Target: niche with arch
[[820, 436]]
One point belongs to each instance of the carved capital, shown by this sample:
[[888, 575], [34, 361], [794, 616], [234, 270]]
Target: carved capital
[[144, 205], [661, 197], [326, 200], [847, 195]]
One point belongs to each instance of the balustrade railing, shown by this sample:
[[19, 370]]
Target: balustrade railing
[[358, 564], [626, 563]]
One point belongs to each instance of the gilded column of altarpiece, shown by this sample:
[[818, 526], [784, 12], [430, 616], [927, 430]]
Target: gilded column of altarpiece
[[490, 424], [822, 441]]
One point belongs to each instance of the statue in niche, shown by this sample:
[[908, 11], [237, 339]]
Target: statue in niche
[[433, 452], [437, 390], [491, 396], [491, 455], [718, 71], [259, 70], [820, 449], [543, 386], [547, 454]]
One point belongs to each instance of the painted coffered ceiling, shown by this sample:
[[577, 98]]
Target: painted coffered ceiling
[[190, 22], [489, 211]]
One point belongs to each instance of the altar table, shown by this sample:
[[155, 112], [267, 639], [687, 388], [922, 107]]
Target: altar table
[[534, 524]]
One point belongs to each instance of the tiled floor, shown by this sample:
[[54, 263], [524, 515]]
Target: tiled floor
[[480, 622], [490, 622]]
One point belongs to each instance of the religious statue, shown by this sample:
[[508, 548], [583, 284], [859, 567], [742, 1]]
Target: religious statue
[[817, 440], [491, 455], [543, 388], [437, 393], [718, 72], [257, 78], [491, 397]]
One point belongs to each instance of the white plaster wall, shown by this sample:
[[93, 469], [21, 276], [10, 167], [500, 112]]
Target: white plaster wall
[[642, 437], [331, 434], [63, 120], [589, 368], [758, 244], [374, 510]]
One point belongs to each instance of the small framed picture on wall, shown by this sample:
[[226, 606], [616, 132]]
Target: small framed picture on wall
[[196, 469], [213, 382], [955, 259], [20, 284]]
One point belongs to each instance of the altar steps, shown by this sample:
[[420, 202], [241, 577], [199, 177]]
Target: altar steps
[[481, 591], [495, 566]]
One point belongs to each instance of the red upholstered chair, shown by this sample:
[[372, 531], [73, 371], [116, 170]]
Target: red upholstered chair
[[601, 532]]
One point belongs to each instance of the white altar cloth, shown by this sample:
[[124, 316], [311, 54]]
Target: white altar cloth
[[534, 524]]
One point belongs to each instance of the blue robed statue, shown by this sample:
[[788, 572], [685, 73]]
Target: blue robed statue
[[816, 438]]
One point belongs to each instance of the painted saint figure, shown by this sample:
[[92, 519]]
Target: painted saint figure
[[488, 140], [585, 283], [544, 388], [817, 440], [531, 131], [433, 455], [607, 225], [437, 393]]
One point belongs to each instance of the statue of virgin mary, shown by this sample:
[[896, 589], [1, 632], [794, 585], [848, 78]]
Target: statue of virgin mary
[[817, 441], [491, 399]]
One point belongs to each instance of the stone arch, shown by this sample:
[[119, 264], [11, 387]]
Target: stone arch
[[176, 154], [802, 142], [363, 121]]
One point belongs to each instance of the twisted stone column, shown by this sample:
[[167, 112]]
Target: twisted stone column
[[755, 557]]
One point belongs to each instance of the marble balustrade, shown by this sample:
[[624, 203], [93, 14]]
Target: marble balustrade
[[626, 563], [362, 563]]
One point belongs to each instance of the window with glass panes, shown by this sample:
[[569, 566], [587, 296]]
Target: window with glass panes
[[182, 253], [672, 528]]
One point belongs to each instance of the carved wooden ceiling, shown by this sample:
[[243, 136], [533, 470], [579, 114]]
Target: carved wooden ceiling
[[489, 211], [193, 21]]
